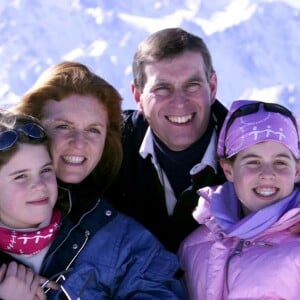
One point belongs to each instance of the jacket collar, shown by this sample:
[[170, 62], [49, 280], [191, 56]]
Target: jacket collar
[[209, 158], [226, 210]]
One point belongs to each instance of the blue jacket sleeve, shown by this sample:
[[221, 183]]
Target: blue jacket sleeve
[[147, 271]]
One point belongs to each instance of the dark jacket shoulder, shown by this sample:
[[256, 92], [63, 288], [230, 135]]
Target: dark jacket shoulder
[[137, 190]]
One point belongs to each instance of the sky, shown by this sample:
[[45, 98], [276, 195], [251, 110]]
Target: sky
[[255, 44]]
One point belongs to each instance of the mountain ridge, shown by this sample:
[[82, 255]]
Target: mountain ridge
[[256, 57]]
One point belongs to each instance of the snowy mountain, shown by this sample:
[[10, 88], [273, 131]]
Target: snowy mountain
[[255, 44]]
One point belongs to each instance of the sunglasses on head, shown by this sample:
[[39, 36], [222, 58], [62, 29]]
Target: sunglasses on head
[[252, 108], [9, 137]]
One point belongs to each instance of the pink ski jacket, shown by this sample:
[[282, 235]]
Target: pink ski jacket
[[257, 257]]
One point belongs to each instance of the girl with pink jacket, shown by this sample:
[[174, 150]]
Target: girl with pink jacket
[[246, 248]]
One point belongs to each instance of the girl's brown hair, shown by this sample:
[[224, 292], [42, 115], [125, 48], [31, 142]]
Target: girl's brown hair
[[12, 121]]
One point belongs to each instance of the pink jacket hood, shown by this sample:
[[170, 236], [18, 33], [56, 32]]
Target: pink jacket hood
[[230, 258]]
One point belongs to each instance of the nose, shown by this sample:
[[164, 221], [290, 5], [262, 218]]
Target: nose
[[267, 172], [38, 183], [179, 97], [77, 138]]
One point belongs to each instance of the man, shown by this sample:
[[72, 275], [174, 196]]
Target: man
[[174, 87]]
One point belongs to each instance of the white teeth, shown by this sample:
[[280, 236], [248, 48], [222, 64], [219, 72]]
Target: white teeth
[[266, 191], [180, 120], [73, 159]]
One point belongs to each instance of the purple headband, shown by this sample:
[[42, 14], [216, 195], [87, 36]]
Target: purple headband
[[250, 122]]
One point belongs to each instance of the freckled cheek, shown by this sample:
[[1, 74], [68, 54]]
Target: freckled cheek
[[96, 149], [56, 142], [58, 138]]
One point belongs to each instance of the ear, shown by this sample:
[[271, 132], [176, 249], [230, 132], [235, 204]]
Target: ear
[[213, 83], [227, 167], [137, 96], [297, 176]]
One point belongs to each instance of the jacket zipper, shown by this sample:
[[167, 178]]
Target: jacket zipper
[[87, 233], [62, 274], [236, 251]]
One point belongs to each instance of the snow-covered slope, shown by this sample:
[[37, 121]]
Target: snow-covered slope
[[255, 44]]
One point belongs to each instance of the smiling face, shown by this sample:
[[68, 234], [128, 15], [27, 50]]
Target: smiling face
[[28, 188], [262, 174], [77, 127], [177, 98]]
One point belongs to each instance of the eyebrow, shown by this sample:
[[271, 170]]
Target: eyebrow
[[252, 155], [49, 121], [197, 76], [25, 170]]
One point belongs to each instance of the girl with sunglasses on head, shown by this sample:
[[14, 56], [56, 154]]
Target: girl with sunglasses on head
[[28, 192], [99, 253], [246, 248]]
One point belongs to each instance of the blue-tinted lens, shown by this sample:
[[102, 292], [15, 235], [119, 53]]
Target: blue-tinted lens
[[8, 139], [32, 130]]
